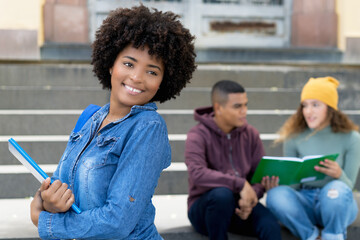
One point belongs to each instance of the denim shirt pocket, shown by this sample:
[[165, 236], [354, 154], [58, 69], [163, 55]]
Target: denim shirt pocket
[[98, 156], [74, 137]]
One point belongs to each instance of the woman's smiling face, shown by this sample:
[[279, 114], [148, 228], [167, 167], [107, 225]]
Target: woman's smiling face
[[315, 113], [135, 77]]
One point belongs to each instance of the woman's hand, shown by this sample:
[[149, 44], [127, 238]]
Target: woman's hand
[[56, 197], [270, 182], [36, 207], [330, 168]]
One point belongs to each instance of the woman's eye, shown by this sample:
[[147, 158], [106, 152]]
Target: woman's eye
[[153, 73], [128, 64]]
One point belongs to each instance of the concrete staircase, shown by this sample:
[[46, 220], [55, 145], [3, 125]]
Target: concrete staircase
[[40, 103]]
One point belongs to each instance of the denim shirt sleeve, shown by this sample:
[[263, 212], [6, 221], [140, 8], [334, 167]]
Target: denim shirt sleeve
[[146, 153]]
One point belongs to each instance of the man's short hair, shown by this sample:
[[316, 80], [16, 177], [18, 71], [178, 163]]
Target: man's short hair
[[221, 90]]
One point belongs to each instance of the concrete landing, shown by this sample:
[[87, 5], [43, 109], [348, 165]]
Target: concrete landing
[[171, 220]]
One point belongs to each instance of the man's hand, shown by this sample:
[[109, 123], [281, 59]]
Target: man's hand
[[270, 182], [36, 207], [56, 197], [331, 168], [247, 201], [243, 212]]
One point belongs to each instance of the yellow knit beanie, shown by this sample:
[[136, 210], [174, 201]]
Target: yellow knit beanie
[[322, 89]]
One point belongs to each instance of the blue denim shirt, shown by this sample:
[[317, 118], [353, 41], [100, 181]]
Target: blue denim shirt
[[113, 174]]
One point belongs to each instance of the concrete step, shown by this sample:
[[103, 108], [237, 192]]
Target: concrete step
[[188, 233], [42, 122], [249, 75], [21, 184], [190, 98], [51, 98], [178, 147], [16, 182], [171, 220], [185, 231], [49, 149], [47, 74], [272, 75], [82, 52], [59, 122], [42, 150], [176, 182], [265, 121], [259, 99]]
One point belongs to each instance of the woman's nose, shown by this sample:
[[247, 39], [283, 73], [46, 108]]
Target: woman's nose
[[136, 76], [307, 109]]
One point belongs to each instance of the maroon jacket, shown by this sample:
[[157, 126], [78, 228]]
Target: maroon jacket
[[215, 159]]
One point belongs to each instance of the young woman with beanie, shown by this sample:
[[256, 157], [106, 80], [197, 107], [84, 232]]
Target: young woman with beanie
[[319, 128]]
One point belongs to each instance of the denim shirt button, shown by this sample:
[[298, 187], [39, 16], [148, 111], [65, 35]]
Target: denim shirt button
[[99, 134]]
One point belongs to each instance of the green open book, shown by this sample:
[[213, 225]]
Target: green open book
[[291, 170]]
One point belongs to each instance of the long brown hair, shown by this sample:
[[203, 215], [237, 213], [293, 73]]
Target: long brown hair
[[296, 124]]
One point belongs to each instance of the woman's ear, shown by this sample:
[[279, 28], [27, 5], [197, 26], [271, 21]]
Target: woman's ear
[[110, 71]]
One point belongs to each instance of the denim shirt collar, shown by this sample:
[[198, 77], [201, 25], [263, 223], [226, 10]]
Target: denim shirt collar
[[134, 110]]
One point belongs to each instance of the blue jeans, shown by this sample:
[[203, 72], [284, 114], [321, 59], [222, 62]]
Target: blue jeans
[[331, 207], [213, 214]]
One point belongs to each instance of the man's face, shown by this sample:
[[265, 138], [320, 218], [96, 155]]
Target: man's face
[[233, 113]]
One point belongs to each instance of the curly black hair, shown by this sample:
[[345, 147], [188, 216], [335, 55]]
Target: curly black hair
[[161, 32]]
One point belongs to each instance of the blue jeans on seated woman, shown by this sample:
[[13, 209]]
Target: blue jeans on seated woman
[[331, 207], [213, 214]]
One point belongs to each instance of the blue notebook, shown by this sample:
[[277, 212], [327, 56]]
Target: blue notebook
[[31, 165]]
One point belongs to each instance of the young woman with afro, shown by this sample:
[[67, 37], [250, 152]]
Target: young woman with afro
[[111, 166]]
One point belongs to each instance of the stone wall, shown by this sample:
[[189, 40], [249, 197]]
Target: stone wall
[[66, 21], [314, 23]]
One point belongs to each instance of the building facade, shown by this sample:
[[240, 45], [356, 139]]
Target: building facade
[[48, 29]]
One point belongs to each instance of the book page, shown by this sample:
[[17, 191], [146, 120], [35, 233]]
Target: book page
[[295, 159]]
